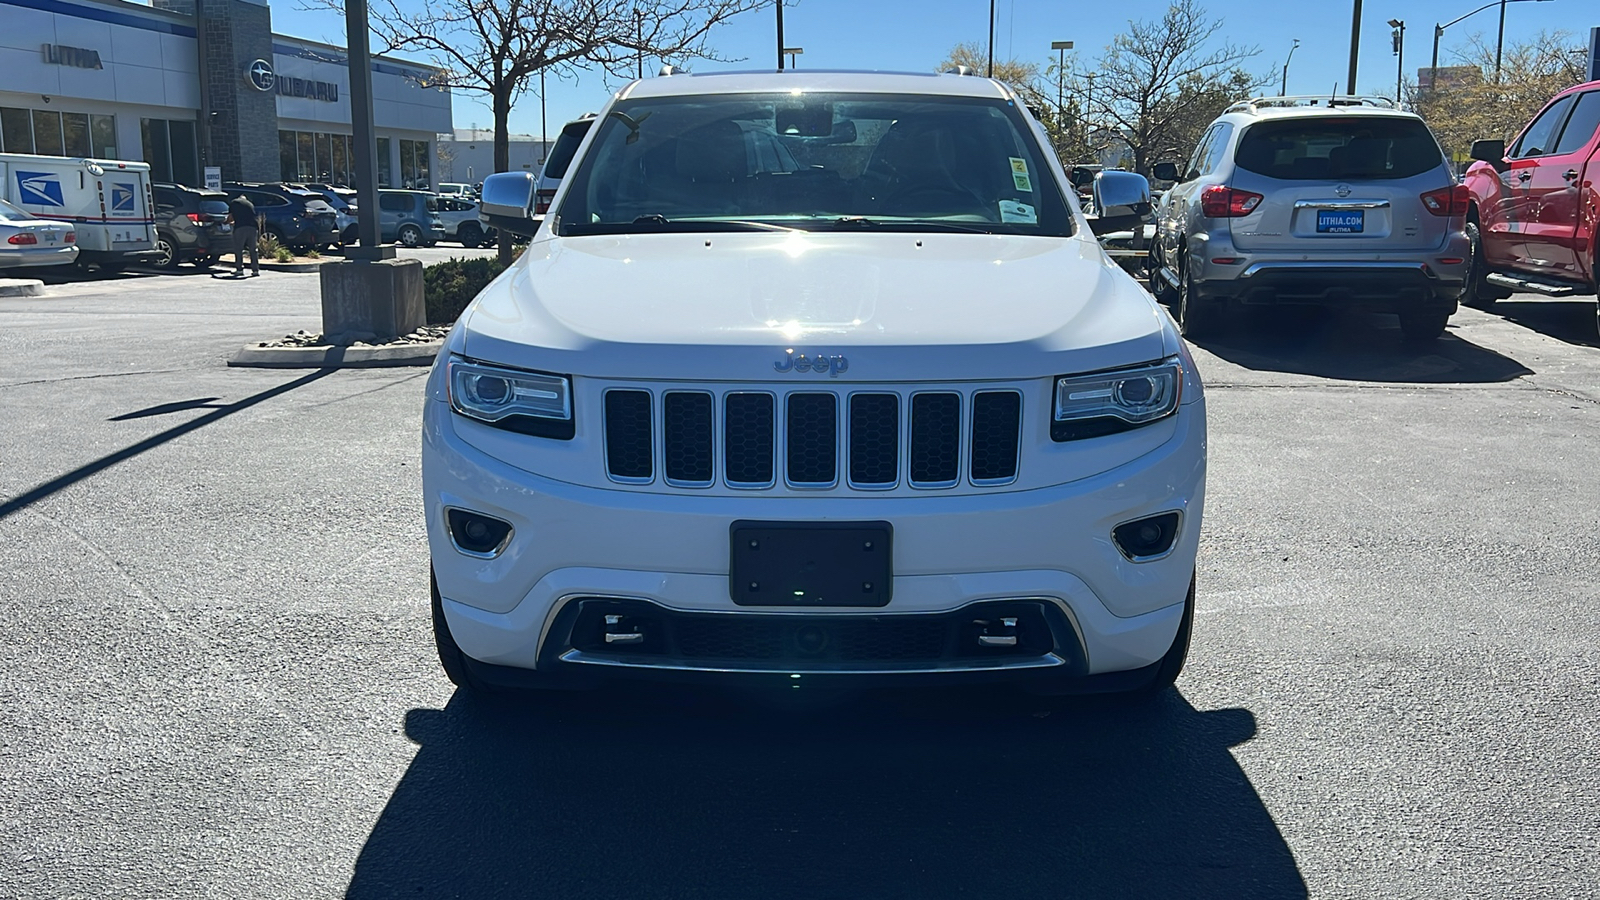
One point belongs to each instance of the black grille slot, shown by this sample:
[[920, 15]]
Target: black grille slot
[[935, 439], [687, 433], [813, 438], [996, 431], [747, 432], [628, 437], [874, 439]]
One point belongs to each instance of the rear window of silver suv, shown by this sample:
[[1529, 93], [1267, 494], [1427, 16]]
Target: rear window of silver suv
[[1320, 149]]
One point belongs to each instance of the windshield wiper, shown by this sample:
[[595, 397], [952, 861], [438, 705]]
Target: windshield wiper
[[844, 223], [709, 224]]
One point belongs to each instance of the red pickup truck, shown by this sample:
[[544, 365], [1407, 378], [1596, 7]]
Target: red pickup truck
[[1535, 210]]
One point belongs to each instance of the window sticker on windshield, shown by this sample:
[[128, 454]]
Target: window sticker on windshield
[[1018, 213], [1019, 174]]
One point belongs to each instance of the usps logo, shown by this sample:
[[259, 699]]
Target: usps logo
[[121, 197], [39, 188]]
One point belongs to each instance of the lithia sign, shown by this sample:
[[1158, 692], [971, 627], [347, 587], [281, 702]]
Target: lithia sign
[[261, 77], [80, 57]]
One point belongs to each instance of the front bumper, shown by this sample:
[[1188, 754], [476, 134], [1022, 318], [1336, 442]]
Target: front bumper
[[574, 544]]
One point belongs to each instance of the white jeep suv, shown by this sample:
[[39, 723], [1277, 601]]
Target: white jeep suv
[[812, 377]]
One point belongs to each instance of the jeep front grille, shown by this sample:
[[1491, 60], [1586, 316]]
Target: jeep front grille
[[813, 439]]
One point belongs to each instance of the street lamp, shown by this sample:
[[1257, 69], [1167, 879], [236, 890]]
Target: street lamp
[[1061, 47], [1284, 88], [792, 52], [1399, 27], [1438, 32], [991, 39]]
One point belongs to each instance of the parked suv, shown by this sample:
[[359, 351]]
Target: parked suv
[[1341, 202], [555, 165], [410, 218], [295, 218], [876, 407], [343, 201], [1534, 207], [191, 225]]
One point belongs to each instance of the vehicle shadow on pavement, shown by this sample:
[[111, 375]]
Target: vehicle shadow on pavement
[[1572, 321], [1355, 346], [670, 793]]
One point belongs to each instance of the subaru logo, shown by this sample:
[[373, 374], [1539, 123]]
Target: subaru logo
[[260, 75], [1342, 190], [819, 363]]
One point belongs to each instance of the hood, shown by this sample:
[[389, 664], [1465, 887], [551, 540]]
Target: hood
[[745, 306]]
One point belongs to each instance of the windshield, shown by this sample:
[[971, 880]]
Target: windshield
[[814, 161], [16, 214], [1317, 149]]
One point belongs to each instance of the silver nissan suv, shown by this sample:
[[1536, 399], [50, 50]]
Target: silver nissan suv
[[1319, 201]]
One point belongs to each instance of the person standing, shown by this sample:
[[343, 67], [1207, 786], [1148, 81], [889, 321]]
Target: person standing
[[242, 213]]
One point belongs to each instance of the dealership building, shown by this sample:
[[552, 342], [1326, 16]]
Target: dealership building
[[187, 84]]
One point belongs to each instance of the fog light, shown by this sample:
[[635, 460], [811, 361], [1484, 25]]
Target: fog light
[[1148, 538], [477, 535]]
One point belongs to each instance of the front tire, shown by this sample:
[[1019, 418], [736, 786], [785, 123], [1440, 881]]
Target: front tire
[[1478, 294], [1171, 664], [451, 659], [469, 235]]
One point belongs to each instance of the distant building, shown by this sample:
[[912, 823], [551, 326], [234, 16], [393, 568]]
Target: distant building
[[467, 155], [1447, 77]]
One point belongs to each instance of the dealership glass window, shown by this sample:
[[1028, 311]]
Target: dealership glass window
[[385, 172], [414, 164], [324, 157], [103, 136], [288, 168], [171, 150], [306, 144], [75, 133], [47, 133], [340, 156], [16, 131]]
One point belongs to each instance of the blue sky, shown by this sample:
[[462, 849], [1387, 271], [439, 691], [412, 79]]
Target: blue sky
[[916, 35]]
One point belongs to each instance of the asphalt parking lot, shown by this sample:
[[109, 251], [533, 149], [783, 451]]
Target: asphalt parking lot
[[218, 677]]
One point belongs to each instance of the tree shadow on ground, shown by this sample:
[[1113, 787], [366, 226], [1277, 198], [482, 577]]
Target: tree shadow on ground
[[672, 793], [1354, 346], [1572, 321]]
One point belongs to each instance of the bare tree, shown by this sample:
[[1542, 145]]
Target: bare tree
[[496, 47], [1038, 89], [1158, 78]]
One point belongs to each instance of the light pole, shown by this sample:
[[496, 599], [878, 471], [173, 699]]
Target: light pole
[[991, 39], [544, 127], [1284, 88], [1355, 43], [780, 35], [1438, 32], [1399, 26], [638, 18], [792, 52], [1061, 48]]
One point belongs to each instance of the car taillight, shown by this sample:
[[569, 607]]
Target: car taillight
[[22, 237], [541, 201], [196, 218], [1450, 201], [71, 238], [1218, 202]]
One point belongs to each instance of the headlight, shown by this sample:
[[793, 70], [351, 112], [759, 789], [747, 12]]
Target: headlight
[[1108, 402], [529, 402]]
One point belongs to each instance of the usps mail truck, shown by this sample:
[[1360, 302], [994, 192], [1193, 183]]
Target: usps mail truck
[[107, 200]]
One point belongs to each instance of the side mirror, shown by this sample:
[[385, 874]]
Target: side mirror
[[1079, 176], [1165, 171], [1121, 201], [1491, 152], [508, 203]]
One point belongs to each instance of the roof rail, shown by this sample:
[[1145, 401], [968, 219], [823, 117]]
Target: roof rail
[[959, 70], [1309, 100]]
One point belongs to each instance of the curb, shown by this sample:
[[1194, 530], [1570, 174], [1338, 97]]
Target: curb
[[21, 287], [336, 357]]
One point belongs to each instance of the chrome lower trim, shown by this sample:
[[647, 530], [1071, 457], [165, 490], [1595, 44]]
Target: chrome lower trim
[[1341, 204], [1047, 661], [1333, 267]]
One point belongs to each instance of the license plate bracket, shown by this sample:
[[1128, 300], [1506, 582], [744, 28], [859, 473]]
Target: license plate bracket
[[1341, 221], [811, 564]]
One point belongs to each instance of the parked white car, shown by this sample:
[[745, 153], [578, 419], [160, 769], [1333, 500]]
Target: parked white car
[[892, 414], [460, 218], [27, 240]]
